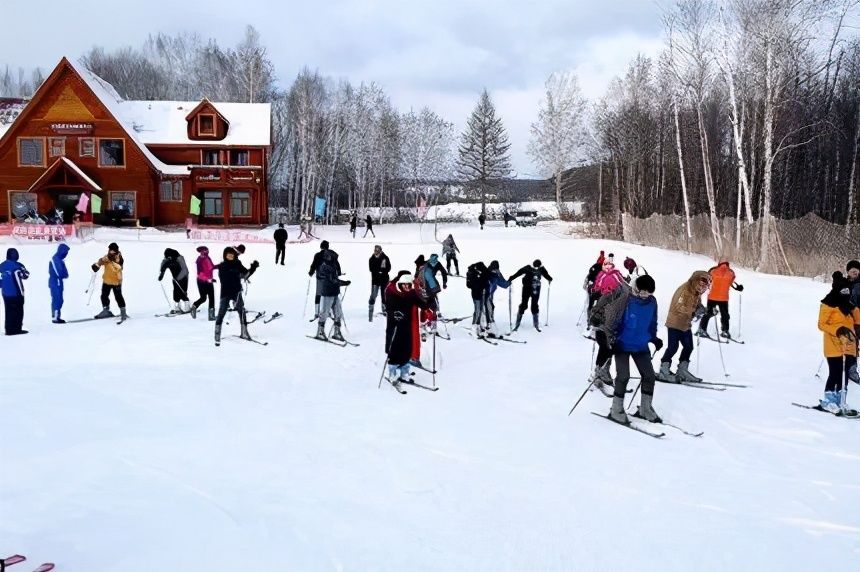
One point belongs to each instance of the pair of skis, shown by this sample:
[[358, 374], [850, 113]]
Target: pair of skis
[[721, 340], [17, 559], [712, 385], [852, 414], [644, 431]]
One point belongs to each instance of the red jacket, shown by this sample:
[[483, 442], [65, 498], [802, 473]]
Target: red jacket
[[722, 278]]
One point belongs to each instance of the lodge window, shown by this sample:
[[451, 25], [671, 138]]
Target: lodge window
[[239, 157], [240, 204], [213, 204], [206, 125], [111, 153], [31, 151], [87, 147], [21, 203], [57, 146], [211, 157], [125, 201], [171, 191]]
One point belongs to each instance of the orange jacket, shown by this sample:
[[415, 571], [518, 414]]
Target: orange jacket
[[831, 319], [722, 278]]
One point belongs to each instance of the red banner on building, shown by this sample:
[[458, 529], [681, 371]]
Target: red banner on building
[[38, 231], [227, 235]]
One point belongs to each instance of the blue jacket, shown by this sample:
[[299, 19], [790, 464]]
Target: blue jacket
[[496, 281], [638, 324], [12, 275], [57, 271]]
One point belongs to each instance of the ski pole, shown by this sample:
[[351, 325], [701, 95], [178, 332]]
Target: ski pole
[[91, 288], [178, 285], [548, 292], [307, 295], [388, 351], [720, 347], [434, 360], [581, 312], [740, 311], [163, 291], [633, 398], [581, 397], [510, 315], [818, 371]]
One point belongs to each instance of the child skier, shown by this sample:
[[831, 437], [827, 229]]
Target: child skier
[[12, 276], [450, 250], [379, 266], [205, 283], [175, 262], [686, 304], [231, 273], [496, 280], [837, 319], [111, 281], [477, 280], [722, 278], [57, 272], [531, 291]]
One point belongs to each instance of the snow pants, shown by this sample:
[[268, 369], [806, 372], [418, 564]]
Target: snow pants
[[280, 253], [14, 314], [206, 290], [330, 304], [117, 294], [56, 299], [180, 290], [489, 309], [533, 295], [449, 258], [724, 315], [676, 337], [604, 352], [622, 371], [224, 305], [478, 310], [838, 370]]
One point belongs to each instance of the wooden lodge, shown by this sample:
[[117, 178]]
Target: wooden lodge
[[145, 160]]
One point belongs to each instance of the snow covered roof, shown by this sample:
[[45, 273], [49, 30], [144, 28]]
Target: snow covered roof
[[164, 122]]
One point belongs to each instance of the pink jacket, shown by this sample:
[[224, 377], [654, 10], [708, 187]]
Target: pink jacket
[[607, 281], [205, 268]]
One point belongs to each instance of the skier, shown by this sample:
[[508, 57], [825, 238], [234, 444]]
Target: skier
[[12, 276], [590, 277], [722, 278], [318, 258], [495, 280], [205, 283], [631, 324], [837, 319], [328, 278], [175, 262], [853, 271], [111, 281], [609, 280], [429, 282], [403, 301], [379, 266], [685, 306], [482, 218], [477, 280], [353, 223], [508, 217], [280, 237], [303, 228], [57, 272], [450, 250], [419, 262], [231, 273], [632, 269], [531, 290], [368, 226]]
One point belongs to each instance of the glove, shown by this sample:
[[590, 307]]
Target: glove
[[255, 265], [699, 313], [658, 344], [739, 287], [311, 273], [444, 286], [549, 280], [844, 332], [160, 276], [345, 282], [95, 267]]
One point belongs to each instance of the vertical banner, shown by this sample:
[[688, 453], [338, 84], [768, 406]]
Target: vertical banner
[[83, 201], [319, 207], [194, 208], [96, 202]]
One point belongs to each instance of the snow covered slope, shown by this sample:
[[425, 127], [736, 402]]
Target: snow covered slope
[[143, 447]]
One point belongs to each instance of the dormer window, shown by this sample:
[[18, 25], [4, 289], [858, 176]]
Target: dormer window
[[206, 125]]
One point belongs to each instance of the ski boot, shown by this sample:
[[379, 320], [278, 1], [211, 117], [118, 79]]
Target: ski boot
[[336, 335], [217, 334], [370, 308], [665, 373], [321, 332], [211, 314], [684, 374], [491, 331], [57, 319], [243, 332], [186, 306], [645, 410], [702, 333], [122, 315], [853, 374], [830, 403], [843, 407], [519, 319], [536, 321], [725, 334], [616, 413], [105, 313], [604, 375], [476, 331]]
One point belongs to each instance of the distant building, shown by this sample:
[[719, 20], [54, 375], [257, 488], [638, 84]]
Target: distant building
[[143, 159]]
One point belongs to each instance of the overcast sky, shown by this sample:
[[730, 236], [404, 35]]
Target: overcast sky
[[439, 53]]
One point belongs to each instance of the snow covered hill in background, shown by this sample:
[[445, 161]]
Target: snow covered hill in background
[[143, 447]]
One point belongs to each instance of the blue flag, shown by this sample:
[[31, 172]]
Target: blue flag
[[319, 207]]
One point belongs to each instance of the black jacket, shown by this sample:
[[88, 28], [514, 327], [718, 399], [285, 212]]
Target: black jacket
[[379, 267], [328, 274], [281, 236], [369, 222], [318, 258], [531, 277], [175, 263], [481, 280], [593, 272], [231, 273]]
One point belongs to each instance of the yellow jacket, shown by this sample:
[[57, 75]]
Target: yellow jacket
[[831, 319], [113, 269]]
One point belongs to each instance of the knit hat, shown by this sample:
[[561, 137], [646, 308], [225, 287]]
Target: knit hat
[[600, 258], [629, 264], [536, 263], [420, 260], [852, 264], [324, 245], [230, 250], [645, 284], [494, 265], [113, 246], [203, 249], [840, 294]]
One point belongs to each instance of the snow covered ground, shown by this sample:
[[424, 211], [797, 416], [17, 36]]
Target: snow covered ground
[[143, 447]]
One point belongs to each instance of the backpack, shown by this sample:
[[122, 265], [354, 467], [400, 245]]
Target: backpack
[[472, 277], [327, 272]]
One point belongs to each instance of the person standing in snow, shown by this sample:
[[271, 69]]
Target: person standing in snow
[[403, 302], [450, 250], [368, 226], [722, 278], [838, 320], [427, 278], [328, 277], [205, 283], [303, 228], [12, 276], [590, 277], [685, 306], [631, 324], [315, 264], [353, 223], [379, 266], [57, 272], [175, 262], [231, 273], [609, 280], [852, 270], [531, 291], [632, 268], [482, 218], [111, 281], [477, 280], [495, 280], [280, 237]]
